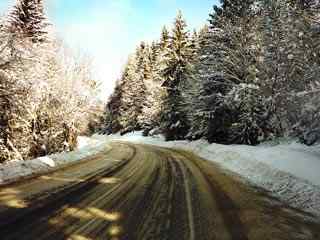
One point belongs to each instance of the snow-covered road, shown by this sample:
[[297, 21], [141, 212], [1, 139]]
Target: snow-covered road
[[290, 171], [141, 192]]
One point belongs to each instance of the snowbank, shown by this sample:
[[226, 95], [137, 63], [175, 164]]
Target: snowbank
[[290, 171], [16, 170], [87, 141]]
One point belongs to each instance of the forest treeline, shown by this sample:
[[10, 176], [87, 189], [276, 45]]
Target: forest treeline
[[250, 75], [46, 94]]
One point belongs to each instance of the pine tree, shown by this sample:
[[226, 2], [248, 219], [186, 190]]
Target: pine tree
[[273, 64], [161, 58], [287, 67], [175, 72], [112, 111], [233, 9], [250, 75], [164, 40], [28, 18], [154, 54], [227, 64], [17, 81], [150, 117], [133, 91], [202, 93], [147, 67], [307, 105]]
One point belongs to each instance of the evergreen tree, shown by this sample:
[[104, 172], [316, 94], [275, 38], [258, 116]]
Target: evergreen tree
[[250, 75], [147, 67], [155, 92], [175, 73], [251, 117], [133, 91], [112, 111], [150, 117], [225, 68], [273, 68], [165, 38], [204, 94], [288, 65], [161, 62], [28, 18], [306, 123], [154, 54]]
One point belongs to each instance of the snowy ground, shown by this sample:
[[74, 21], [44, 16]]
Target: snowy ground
[[15, 170], [290, 171]]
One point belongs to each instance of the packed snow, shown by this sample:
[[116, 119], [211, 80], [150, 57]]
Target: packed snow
[[16, 170], [48, 161], [289, 170]]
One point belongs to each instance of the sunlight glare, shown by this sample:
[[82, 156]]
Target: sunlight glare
[[104, 215], [9, 197], [114, 230], [79, 237], [79, 213], [62, 179], [109, 180]]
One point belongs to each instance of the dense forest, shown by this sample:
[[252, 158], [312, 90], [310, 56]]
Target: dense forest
[[250, 75], [46, 94]]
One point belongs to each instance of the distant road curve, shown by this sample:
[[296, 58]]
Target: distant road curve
[[141, 192]]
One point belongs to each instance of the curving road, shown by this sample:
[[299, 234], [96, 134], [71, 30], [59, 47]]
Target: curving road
[[140, 192]]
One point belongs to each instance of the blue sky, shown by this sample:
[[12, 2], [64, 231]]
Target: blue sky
[[109, 30]]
